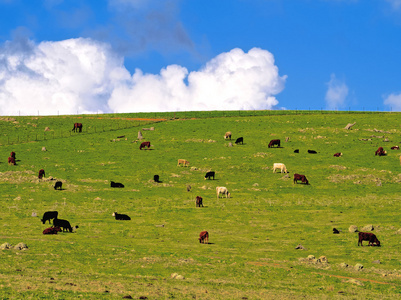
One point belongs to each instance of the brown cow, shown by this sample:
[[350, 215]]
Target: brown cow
[[274, 142], [199, 201], [395, 148], [204, 236], [144, 144], [367, 236], [380, 151], [11, 161], [12, 154], [338, 154], [300, 177], [41, 173], [77, 126], [52, 230]]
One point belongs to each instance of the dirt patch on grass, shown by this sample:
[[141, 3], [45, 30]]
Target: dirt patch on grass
[[338, 167]]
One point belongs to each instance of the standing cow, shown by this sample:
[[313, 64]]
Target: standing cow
[[240, 140], [199, 201], [11, 161], [302, 178], [143, 145], [204, 236], [77, 127], [209, 175], [274, 142], [367, 236], [227, 135], [41, 173], [222, 190]]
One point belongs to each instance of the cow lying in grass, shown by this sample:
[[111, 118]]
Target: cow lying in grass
[[204, 236], [370, 237], [52, 230], [380, 151], [116, 184], [120, 216], [338, 154]]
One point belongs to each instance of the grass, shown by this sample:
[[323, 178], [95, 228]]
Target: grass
[[253, 235]]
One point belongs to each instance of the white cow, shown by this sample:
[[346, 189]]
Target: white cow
[[222, 190], [279, 166]]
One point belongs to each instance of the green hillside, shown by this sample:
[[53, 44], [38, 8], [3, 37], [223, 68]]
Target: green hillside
[[253, 235]]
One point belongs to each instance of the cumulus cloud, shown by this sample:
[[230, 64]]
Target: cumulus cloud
[[336, 94], [394, 101], [87, 76]]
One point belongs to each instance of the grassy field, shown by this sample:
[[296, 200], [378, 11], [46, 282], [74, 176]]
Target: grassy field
[[253, 235]]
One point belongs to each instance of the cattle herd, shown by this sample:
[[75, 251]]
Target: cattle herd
[[60, 225]]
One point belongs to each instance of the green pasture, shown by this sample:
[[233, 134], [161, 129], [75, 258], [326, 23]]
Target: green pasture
[[253, 235]]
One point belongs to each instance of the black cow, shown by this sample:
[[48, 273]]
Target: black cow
[[63, 224], [296, 151], [274, 142], [367, 236], [143, 145], [47, 216], [41, 173], [58, 185], [209, 175], [77, 126], [199, 201], [120, 216], [116, 184], [156, 178], [312, 151], [240, 140]]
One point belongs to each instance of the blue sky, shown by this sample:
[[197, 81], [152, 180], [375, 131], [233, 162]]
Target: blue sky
[[64, 57]]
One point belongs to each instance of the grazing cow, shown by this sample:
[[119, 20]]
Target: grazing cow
[[116, 184], [199, 201], [183, 162], [274, 142], [312, 151], [335, 231], [63, 224], [302, 178], [280, 166], [11, 161], [222, 190], [12, 154], [47, 216], [58, 185], [156, 178], [209, 175], [380, 151], [120, 216], [367, 236], [227, 135], [392, 148], [296, 151], [204, 236], [52, 230], [41, 173], [77, 127], [240, 140], [144, 144], [338, 154]]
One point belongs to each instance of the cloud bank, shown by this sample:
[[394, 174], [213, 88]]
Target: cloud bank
[[87, 76], [394, 101], [336, 94]]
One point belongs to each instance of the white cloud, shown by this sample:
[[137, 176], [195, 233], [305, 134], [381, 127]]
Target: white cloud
[[336, 94], [396, 4], [86, 76], [394, 101]]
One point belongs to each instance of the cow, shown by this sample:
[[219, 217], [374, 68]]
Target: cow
[[395, 148], [12, 154], [296, 151], [335, 231], [41, 173], [183, 162], [199, 201], [63, 224], [312, 151], [280, 166], [204, 236], [116, 184], [58, 185], [156, 178], [380, 151], [274, 142], [144, 144], [227, 135], [338, 154], [302, 178], [240, 140], [222, 190], [11, 161], [367, 236], [77, 127], [209, 175], [120, 216], [47, 216], [52, 230]]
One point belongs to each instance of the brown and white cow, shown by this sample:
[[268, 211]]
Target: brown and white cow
[[370, 237], [204, 236], [227, 135], [302, 178], [338, 154]]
